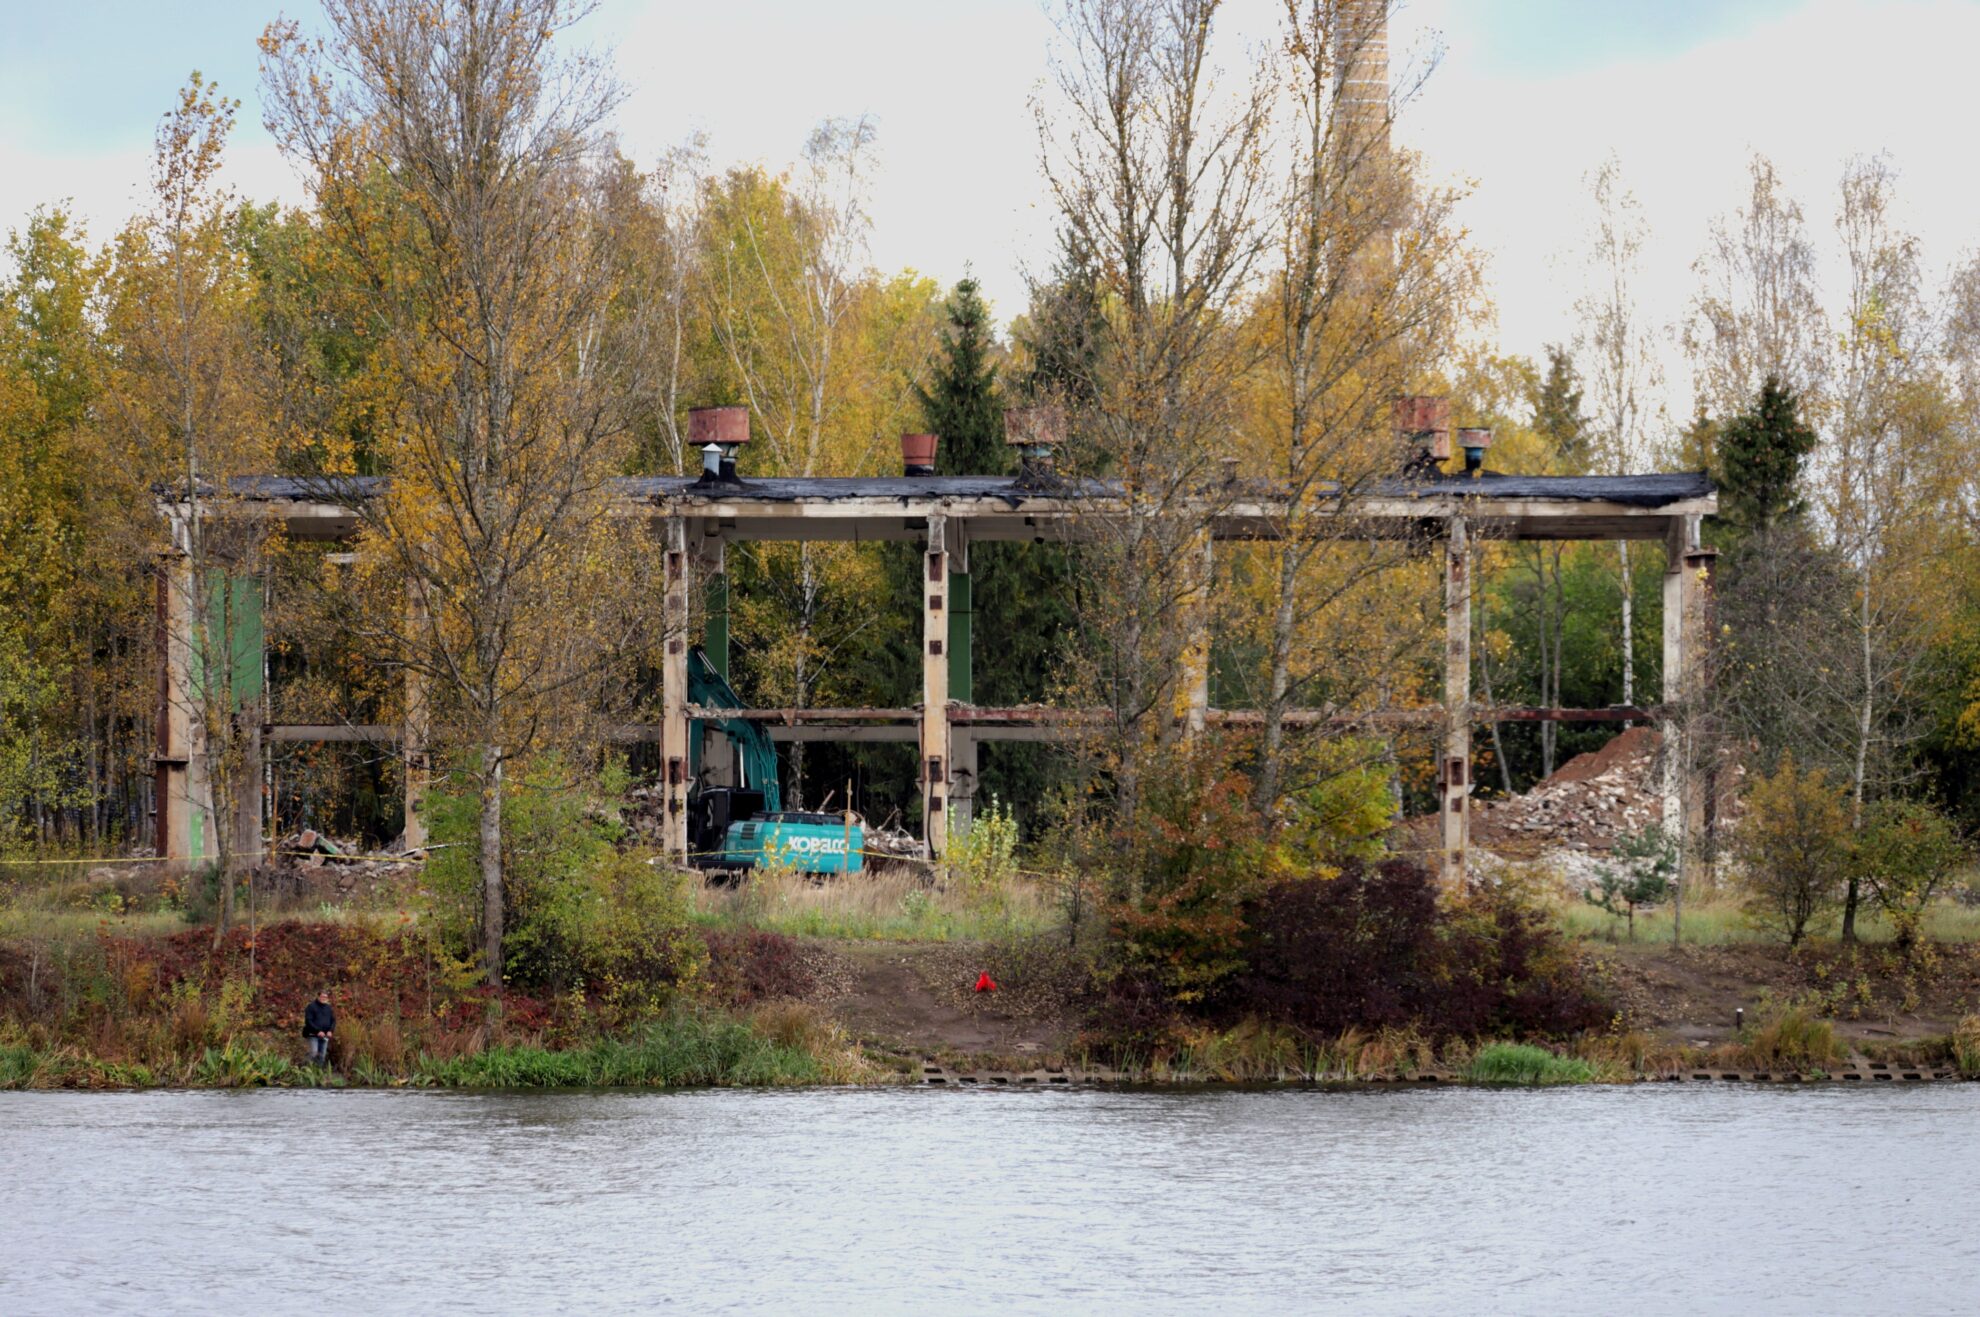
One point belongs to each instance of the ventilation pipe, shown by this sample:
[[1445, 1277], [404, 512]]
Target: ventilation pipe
[[1036, 432], [1474, 441], [724, 429], [1423, 432], [918, 454]]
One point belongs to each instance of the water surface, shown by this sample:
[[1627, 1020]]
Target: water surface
[[1650, 1199]]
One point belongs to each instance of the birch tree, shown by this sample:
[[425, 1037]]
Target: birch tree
[[1155, 166], [1366, 287], [1757, 314], [1884, 473], [1619, 352], [457, 156], [184, 393]]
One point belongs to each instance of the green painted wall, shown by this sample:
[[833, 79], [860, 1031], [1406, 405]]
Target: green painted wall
[[962, 635]]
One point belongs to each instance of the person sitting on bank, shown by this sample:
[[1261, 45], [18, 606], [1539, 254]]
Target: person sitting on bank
[[319, 1022]]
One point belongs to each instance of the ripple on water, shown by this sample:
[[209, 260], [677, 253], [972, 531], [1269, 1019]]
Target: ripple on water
[[1666, 1199]]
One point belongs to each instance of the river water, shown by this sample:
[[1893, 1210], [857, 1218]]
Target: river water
[[1648, 1199]]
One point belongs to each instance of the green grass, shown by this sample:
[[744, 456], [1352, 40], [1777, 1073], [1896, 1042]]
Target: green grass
[[25, 1067], [779, 1046], [244, 1064], [889, 907], [1522, 1063], [1720, 922], [681, 1051], [21, 922]]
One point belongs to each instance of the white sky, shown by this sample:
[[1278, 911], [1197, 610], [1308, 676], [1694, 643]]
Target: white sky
[[1531, 95]]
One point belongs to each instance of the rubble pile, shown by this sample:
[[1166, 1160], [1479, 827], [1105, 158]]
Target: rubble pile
[[1585, 805], [889, 847], [307, 862], [645, 814]]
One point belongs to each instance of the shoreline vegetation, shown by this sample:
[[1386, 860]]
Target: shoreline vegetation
[[137, 1000], [1241, 964], [793, 1050]]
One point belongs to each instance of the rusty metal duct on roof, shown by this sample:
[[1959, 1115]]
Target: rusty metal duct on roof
[[1474, 440], [918, 454], [1423, 431], [727, 428], [1037, 433]]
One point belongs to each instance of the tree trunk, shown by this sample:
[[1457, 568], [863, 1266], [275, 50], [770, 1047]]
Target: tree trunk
[[1865, 720], [491, 864], [1275, 706], [1484, 652]]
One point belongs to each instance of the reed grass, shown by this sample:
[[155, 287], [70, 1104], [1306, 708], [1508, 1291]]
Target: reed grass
[[1525, 1064], [1791, 1037], [690, 1049], [1966, 1046]]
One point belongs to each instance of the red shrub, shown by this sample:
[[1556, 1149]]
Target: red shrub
[[750, 967]]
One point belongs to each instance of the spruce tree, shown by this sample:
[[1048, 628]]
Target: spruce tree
[[1760, 456], [1557, 412], [960, 403], [1066, 329]]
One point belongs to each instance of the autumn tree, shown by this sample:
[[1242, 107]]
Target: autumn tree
[[667, 365], [1756, 314], [1793, 844], [457, 156], [186, 393], [824, 351], [1618, 347], [1367, 286], [1890, 476], [1155, 166]]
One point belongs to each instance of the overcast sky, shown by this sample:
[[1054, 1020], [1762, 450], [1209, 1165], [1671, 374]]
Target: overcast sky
[[1530, 95]]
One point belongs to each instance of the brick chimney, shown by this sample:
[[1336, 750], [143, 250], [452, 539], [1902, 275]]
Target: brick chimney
[[1363, 37]]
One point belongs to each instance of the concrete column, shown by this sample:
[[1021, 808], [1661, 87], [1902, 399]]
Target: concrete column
[[673, 696], [1687, 595], [935, 687], [1196, 657], [417, 763], [172, 757], [965, 778], [1455, 773]]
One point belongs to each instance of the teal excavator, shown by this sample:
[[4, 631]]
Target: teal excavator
[[746, 825]]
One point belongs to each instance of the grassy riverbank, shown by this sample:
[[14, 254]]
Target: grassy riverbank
[[790, 982], [794, 1045], [773, 1047]]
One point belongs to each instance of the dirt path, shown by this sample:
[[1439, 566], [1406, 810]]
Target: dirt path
[[917, 998], [1690, 993]]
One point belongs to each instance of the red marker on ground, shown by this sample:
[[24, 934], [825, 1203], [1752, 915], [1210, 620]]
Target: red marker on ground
[[984, 983]]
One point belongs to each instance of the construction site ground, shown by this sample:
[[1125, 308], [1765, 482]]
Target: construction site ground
[[916, 999]]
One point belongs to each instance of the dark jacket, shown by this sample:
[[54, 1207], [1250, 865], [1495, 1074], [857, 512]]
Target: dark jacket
[[318, 1018]]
